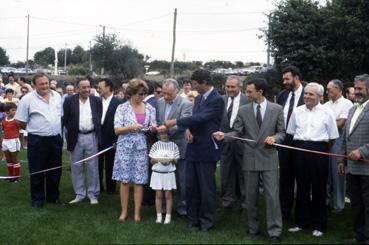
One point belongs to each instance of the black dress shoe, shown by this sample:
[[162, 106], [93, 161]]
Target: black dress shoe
[[275, 240], [191, 225], [37, 205], [253, 235]]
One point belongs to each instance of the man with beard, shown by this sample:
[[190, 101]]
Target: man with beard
[[289, 98], [356, 145]]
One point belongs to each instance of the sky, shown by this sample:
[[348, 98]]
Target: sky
[[206, 29]]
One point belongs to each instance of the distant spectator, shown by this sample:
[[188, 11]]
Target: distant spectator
[[186, 88], [53, 86], [119, 95], [158, 90], [9, 97], [13, 85], [24, 90], [350, 94], [23, 83], [192, 95], [124, 88], [60, 91]]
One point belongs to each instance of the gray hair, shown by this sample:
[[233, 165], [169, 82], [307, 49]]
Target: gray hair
[[338, 83], [364, 78], [319, 88], [171, 81], [233, 77]]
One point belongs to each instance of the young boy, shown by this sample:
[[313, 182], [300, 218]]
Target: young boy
[[9, 97], [11, 143]]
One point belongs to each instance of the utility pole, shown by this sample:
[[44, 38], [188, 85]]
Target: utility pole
[[89, 60], [65, 58], [174, 44], [27, 65], [103, 67], [268, 43]]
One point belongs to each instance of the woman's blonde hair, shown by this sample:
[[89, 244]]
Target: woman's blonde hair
[[135, 85]]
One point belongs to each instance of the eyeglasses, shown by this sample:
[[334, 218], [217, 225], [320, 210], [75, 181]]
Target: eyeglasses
[[142, 94], [158, 91]]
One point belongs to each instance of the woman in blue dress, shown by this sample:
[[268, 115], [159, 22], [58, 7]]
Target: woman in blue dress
[[132, 119]]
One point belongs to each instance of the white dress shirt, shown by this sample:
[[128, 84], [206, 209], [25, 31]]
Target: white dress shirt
[[287, 105], [85, 116], [359, 109], [105, 104], [340, 107], [317, 124], [236, 106], [263, 106]]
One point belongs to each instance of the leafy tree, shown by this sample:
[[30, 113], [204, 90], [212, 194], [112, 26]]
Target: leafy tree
[[61, 54], [4, 59], [77, 55], [45, 57]]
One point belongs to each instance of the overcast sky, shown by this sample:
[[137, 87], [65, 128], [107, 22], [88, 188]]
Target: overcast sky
[[206, 29]]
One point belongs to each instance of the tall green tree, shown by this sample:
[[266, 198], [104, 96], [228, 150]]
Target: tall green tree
[[61, 54], [4, 59], [45, 57], [77, 55]]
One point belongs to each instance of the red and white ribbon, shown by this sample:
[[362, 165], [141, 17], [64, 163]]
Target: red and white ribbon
[[61, 166]]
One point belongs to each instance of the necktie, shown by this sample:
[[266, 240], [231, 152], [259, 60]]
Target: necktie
[[259, 119], [202, 99], [230, 109], [290, 108]]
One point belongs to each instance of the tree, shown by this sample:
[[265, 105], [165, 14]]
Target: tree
[[61, 54], [45, 57], [4, 59], [77, 55]]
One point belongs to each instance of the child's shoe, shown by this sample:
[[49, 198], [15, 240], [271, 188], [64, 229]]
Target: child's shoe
[[167, 219], [159, 218]]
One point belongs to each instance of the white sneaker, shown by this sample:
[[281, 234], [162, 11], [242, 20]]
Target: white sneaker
[[294, 229], [159, 219], [347, 200], [94, 201], [167, 219], [317, 233], [75, 200]]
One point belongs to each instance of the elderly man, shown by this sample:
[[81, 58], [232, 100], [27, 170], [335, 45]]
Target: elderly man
[[82, 118], [231, 177], [40, 111], [313, 127], [340, 107], [289, 98], [174, 106], [356, 145], [261, 121]]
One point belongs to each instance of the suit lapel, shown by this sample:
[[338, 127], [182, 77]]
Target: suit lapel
[[266, 119], [250, 111], [161, 109], [174, 106], [363, 112]]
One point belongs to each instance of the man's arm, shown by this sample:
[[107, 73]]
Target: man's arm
[[185, 112]]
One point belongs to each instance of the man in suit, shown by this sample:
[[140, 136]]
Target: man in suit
[[82, 118], [289, 98], [174, 106], [263, 122], [202, 151], [108, 137], [231, 177], [356, 145]]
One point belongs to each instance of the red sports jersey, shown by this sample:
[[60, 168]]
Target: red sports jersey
[[11, 129]]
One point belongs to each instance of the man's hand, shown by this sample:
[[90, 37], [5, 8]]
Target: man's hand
[[189, 136], [162, 129], [355, 155], [218, 135], [170, 123], [341, 169], [270, 140]]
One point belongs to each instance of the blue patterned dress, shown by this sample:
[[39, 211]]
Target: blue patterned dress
[[131, 157]]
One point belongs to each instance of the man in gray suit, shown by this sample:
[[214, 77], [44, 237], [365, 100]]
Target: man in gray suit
[[263, 122], [174, 106], [356, 145], [231, 177]]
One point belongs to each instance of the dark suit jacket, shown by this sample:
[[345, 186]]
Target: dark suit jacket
[[71, 118], [225, 126], [283, 95], [205, 120], [108, 136]]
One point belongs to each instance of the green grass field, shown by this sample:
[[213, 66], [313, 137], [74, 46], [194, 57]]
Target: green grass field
[[82, 223]]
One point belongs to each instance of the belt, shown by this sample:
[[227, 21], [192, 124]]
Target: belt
[[86, 132], [163, 172]]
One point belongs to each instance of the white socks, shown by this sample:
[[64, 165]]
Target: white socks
[[159, 218]]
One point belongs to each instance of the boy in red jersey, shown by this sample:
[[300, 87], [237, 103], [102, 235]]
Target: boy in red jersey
[[11, 143]]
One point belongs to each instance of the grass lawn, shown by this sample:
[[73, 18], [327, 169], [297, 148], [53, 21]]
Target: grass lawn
[[83, 223]]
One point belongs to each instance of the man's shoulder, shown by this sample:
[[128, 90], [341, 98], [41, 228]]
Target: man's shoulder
[[274, 106]]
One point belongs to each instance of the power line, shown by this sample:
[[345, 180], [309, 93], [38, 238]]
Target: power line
[[222, 13]]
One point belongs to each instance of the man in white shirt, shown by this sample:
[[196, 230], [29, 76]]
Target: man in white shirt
[[313, 127], [340, 108], [82, 118]]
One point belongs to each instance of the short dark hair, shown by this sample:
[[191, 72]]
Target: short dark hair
[[38, 75], [150, 86], [202, 76], [23, 79], [83, 79], [9, 91], [294, 71], [11, 75], [186, 81], [338, 83], [260, 84], [9, 106], [157, 85], [108, 83]]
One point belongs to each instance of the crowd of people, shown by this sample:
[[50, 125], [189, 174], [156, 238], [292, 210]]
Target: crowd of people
[[183, 130]]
